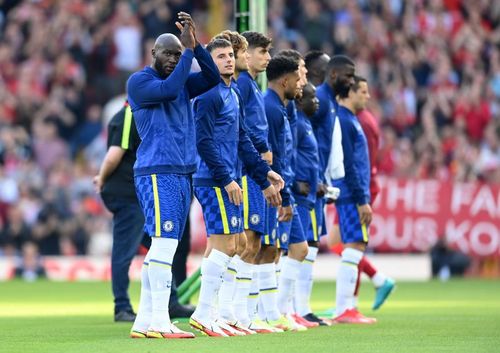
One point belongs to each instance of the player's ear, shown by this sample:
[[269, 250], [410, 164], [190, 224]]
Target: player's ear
[[153, 52], [284, 81]]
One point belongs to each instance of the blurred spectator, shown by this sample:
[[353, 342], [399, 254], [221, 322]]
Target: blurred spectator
[[447, 262]]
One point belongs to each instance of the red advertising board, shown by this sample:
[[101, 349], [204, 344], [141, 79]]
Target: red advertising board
[[411, 215]]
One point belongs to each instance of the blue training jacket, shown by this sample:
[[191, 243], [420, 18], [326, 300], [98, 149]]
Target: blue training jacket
[[163, 115], [306, 160], [322, 124], [255, 113], [222, 141], [355, 186], [277, 118]]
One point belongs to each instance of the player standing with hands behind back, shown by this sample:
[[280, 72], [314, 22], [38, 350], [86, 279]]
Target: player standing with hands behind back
[[159, 96]]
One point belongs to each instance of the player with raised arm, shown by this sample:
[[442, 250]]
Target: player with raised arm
[[222, 142], [159, 96]]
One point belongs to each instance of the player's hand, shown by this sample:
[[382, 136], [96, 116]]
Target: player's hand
[[188, 30], [285, 214], [365, 214], [303, 188], [267, 156], [321, 190], [272, 196], [234, 192], [276, 180], [98, 183]]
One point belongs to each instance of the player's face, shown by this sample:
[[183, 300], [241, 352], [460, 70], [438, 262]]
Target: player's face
[[344, 80], [291, 84], [242, 59], [166, 58], [224, 59], [361, 96], [258, 59], [302, 78], [309, 101]]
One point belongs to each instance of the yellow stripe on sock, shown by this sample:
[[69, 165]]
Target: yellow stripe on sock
[[127, 123], [223, 215], [365, 233], [349, 264], [156, 199], [314, 224], [244, 184]]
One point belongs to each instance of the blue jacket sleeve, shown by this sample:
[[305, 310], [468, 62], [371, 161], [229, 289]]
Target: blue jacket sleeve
[[275, 121], [260, 143], [205, 110], [209, 76], [352, 177], [256, 167], [146, 90]]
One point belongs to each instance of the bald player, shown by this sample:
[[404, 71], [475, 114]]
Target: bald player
[[159, 96]]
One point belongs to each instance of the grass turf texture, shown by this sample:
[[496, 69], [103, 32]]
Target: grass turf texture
[[457, 316]]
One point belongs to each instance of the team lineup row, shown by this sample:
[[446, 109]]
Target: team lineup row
[[262, 166]]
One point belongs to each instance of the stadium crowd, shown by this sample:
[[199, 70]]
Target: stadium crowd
[[434, 68]]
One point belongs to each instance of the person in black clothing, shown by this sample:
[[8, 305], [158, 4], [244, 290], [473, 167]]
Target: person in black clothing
[[115, 183]]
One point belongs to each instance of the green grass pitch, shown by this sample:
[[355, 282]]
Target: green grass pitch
[[457, 316]]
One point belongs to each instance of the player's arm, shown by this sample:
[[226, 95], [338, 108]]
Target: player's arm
[[300, 187], [251, 118], [258, 141], [205, 111], [145, 89], [208, 77], [275, 122], [258, 169], [352, 177]]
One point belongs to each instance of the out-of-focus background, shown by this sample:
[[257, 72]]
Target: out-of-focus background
[[434, 71]]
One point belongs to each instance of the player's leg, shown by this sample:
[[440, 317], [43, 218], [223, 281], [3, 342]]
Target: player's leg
[[290, 270], [227, 290], [222, 221], [355, 237], [166, 199]]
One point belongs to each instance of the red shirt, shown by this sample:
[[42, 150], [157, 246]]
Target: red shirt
[[372, 133]]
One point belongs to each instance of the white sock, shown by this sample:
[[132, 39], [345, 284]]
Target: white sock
[[289, 274], [242, 290], [346, 279], [303, 286], [212, 271], [268, 291], [378, 279], [143, 318], [253, 296], [161, 255], [226, 292]]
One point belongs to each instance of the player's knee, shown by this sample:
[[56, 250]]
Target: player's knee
[[230, 249], [241, 245]]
